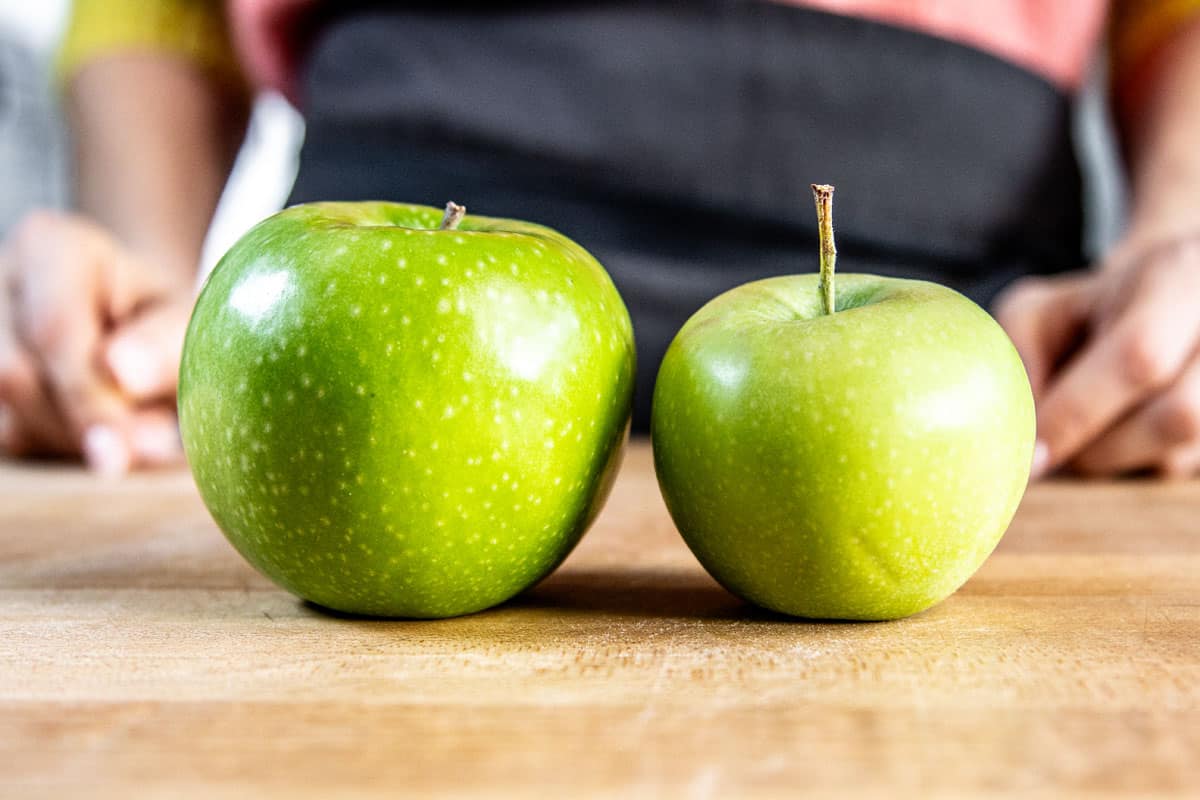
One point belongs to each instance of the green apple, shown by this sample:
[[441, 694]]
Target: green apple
[[395, 416], [857, 460]]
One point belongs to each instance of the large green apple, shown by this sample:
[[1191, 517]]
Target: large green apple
[[393, 416], [859, 464]]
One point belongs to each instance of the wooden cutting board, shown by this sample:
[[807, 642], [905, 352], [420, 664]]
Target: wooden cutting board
[[140, 657]]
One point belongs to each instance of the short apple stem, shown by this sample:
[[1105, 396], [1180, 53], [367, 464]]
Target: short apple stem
[[454, 215], [823, 194]]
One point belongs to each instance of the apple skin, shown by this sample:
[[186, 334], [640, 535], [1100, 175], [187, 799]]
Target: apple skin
[[389, 419], [857, 466]]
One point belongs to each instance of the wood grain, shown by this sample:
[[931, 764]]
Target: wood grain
[[139, 656]]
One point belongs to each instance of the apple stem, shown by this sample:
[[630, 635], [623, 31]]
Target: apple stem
[[823, 194], [454, 215]]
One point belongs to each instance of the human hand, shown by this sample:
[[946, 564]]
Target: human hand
[[90, 338], [1114, 360]]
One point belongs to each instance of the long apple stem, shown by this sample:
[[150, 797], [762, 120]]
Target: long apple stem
[[823, 194], [454, 215]]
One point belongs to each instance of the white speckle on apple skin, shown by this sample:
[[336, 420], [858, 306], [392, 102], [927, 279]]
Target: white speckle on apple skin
[[900, 572], [365, 582]]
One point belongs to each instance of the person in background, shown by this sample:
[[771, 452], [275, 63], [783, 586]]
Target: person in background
[[676, 142]]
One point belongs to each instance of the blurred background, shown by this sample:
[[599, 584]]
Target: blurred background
[[34, 154], [973, 145]]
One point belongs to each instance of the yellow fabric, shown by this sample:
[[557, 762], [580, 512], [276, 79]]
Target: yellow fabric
[[1139, 27], [194, 30]]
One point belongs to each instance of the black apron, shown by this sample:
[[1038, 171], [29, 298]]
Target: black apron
[[677, 142]]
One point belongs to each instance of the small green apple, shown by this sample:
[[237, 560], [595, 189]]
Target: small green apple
[[393, 416], [848, 454]]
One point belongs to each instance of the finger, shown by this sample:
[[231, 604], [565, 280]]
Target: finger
[[94, 414], [143, 354], [106, 449], [6, 429], [150, 439], [11, 443], [1153, 434], [1173, 260], [154, 437], [1181, 464], [58, 319], [35, 427], [1122, 365], [1044, 318]]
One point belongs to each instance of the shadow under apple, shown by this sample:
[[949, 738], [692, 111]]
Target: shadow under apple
[[622, 592], [619, 592]]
